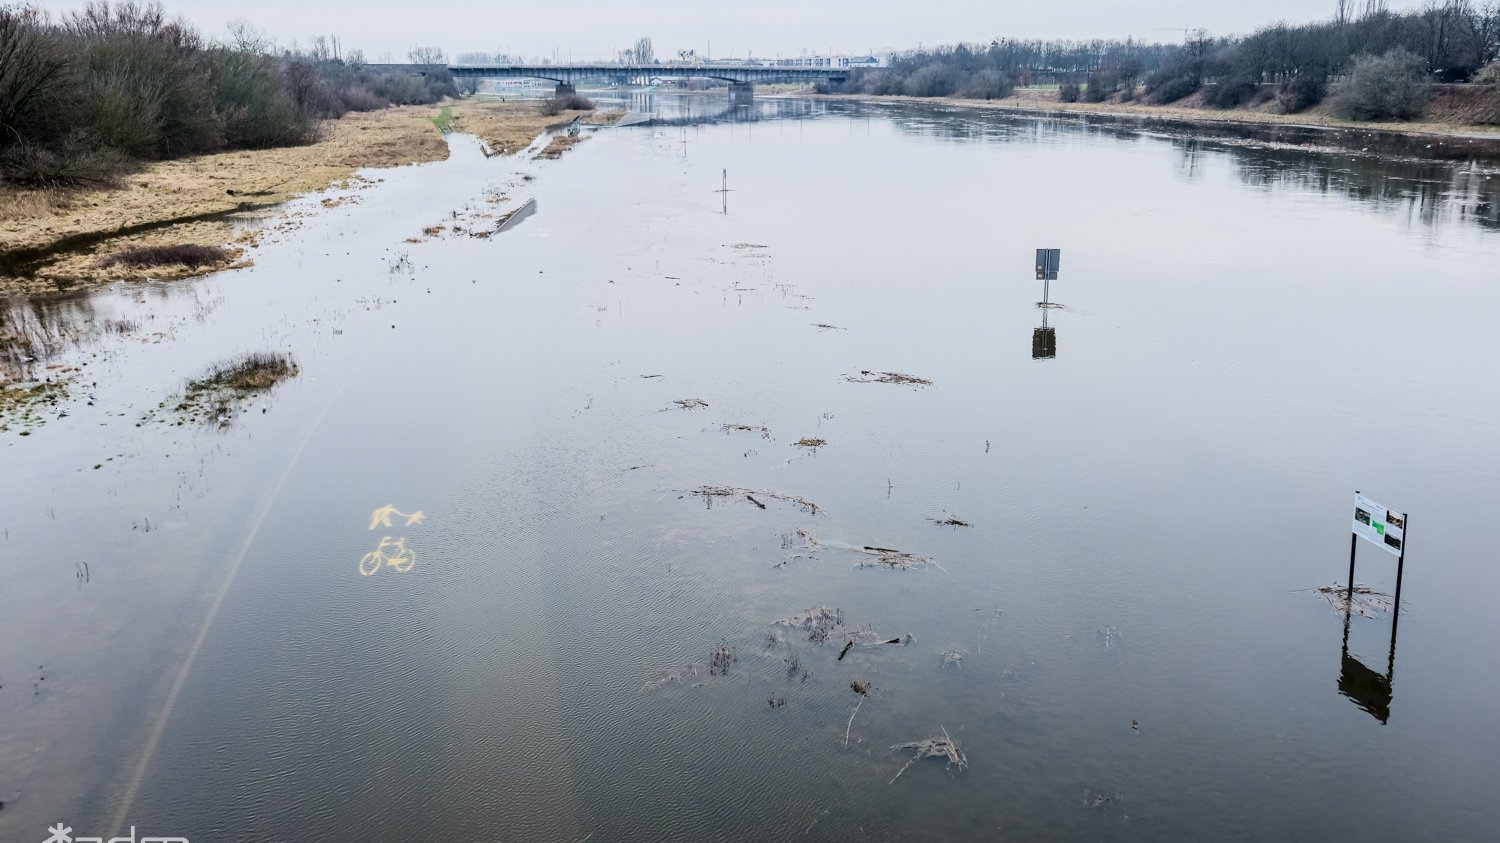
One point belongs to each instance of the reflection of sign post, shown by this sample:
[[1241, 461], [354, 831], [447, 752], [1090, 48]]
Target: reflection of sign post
[[1043, 343]]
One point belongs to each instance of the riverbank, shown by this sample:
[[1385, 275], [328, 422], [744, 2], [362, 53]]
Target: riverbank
[[1449, 116], [57, 242]]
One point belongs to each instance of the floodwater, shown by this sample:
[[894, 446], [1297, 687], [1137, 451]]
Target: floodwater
[[1124, 643]]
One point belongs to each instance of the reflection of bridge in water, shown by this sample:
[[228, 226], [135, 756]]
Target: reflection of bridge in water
[[649, 108], [741, 78]]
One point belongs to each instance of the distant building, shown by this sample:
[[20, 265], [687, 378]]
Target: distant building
[[818, 61]]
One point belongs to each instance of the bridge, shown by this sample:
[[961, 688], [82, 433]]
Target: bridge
[[741, 77]]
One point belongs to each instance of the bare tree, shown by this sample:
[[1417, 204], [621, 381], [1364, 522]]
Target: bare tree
[[246, 38], [427, 55], [642, 52]]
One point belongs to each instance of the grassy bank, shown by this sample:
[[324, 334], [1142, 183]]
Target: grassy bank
[[1448, 116], [59, 241]]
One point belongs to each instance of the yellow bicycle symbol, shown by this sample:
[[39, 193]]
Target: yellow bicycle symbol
[[392, 552]]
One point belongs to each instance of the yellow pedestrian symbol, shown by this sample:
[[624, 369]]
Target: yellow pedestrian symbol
[[382, 516]]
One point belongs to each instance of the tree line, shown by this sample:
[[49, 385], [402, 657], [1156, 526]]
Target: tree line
[[1443, 41], [85, 95]]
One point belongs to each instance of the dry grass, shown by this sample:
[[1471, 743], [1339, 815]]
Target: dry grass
[[255, 372], [192, 188], [559, 145], [507, 127], [810, 442], [950, 521]]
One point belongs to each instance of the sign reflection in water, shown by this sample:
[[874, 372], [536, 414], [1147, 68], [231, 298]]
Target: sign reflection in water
[[1366, 688]]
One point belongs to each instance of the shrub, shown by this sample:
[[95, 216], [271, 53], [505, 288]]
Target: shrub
[[1301, 92], [1173, 89], [933, 80], [1233, 92], [186, 255], [1392, 86], [569, 102], [986, 85], [255, 104], [1068, 92], [1098, 89], [1489, 75]]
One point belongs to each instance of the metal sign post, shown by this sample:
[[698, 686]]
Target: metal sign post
[[1047, 263], [1044, 339], [1384, 528]]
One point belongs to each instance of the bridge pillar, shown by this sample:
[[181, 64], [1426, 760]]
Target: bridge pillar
[[741, 91], [566, 89]]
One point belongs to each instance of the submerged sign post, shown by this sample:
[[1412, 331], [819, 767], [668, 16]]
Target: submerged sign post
[[1382, 527], [1044, 339]]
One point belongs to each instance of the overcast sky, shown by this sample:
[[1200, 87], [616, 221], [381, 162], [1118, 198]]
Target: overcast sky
[[594, 29]]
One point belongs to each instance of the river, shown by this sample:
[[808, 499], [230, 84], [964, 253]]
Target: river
[[575, 445]]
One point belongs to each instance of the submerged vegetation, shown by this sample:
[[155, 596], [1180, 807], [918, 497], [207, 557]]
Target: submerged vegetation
[[216, 395]]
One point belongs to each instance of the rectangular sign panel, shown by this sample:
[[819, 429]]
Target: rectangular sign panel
[[1047, 263], [1379, 526]]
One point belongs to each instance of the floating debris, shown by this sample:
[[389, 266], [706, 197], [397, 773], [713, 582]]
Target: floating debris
[[1366, 602], [817, 622], [1099, 801], [866, 376], [708, 493], [950, 521], [1109, 636], [765, 432], [943, 748], [690, 403], [824, 327], [798, 544], [680, 677], [897, 559], [953, 657], [809, 442]]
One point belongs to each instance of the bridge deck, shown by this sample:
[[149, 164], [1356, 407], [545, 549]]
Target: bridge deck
[[569, 74]]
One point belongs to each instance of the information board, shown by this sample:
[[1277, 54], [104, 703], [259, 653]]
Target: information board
[[1379, 526]]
